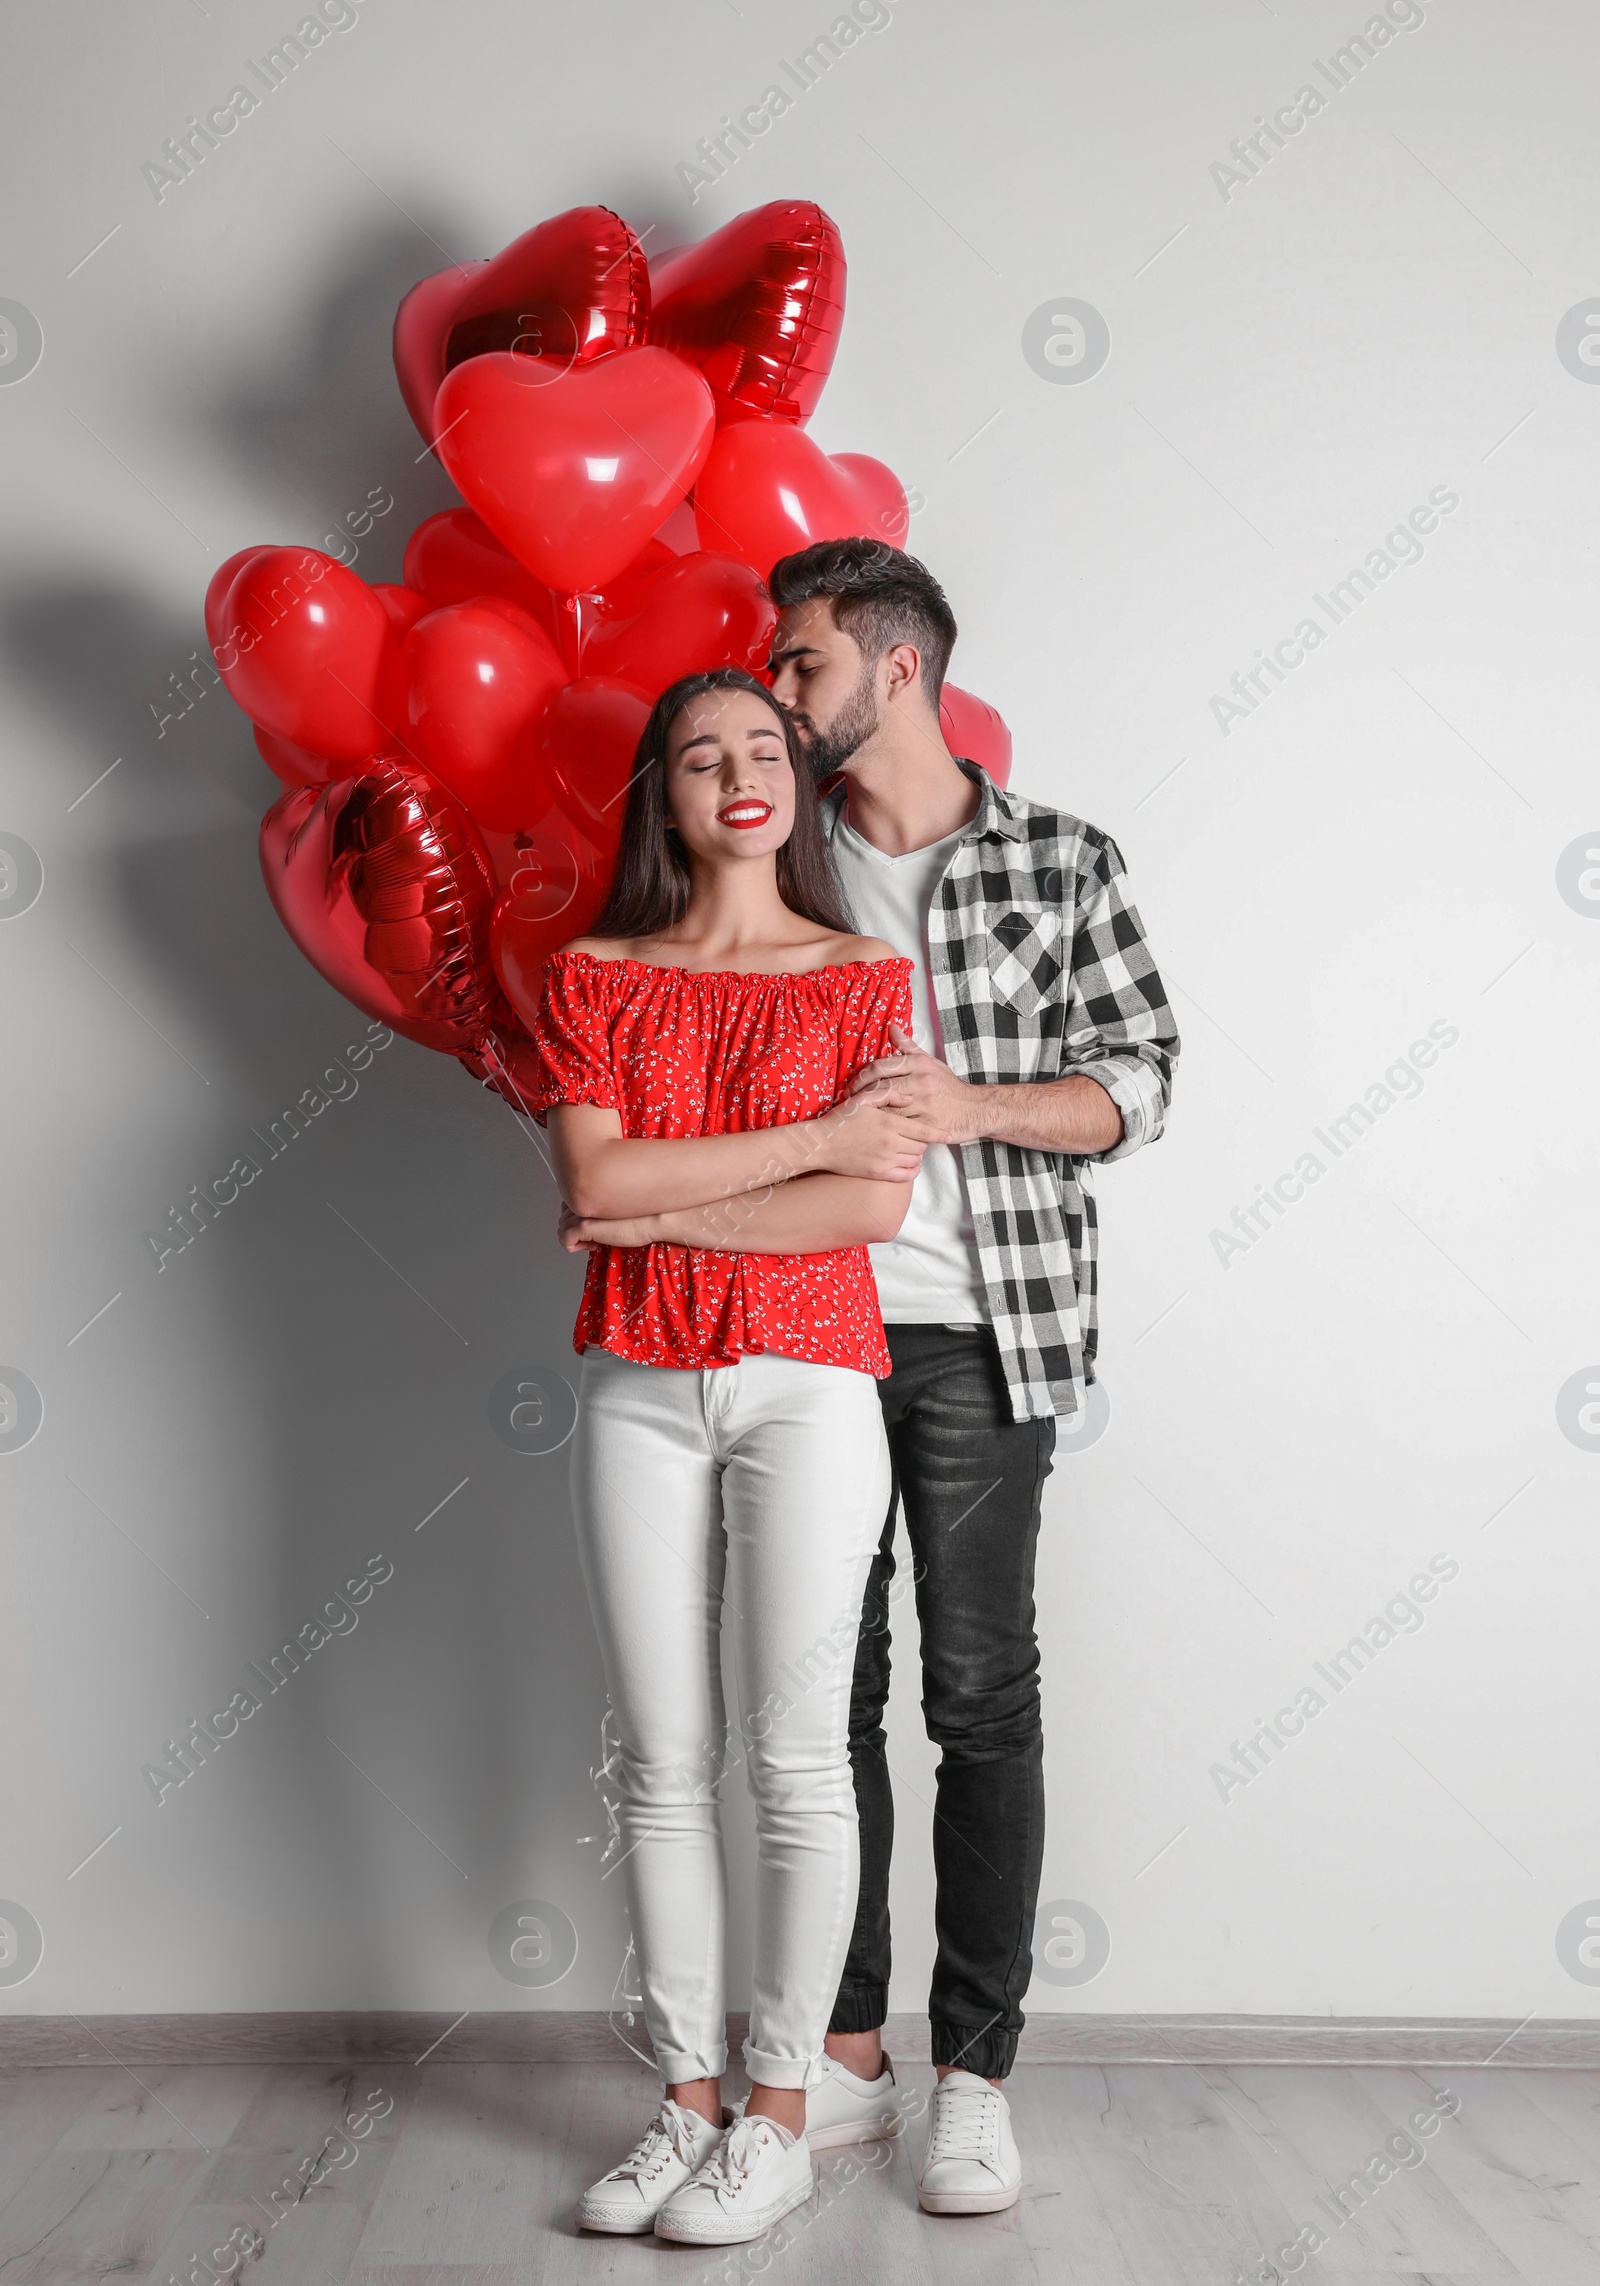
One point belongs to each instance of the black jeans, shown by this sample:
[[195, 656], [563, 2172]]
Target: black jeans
[[969, 1479]]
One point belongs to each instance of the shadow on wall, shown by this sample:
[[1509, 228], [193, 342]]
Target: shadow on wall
[[321, 425], [394, 1267]]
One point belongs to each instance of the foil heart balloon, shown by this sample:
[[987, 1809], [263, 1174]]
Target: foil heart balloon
[[575, 475], [695, 611], [311, 653], [757, 308], [508, 1061], [384, 885], [766, 491], [574, 289]]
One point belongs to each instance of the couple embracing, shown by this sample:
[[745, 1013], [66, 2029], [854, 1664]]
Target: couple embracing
[[744, 1095]]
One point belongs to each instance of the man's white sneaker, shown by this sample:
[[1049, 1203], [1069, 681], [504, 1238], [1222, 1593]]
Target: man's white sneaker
[[671, 2150], [758, 2173], [844, 2109], [971, 2166]]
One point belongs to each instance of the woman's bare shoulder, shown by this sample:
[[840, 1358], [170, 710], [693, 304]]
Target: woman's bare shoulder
[[600, 948], [847, 949]]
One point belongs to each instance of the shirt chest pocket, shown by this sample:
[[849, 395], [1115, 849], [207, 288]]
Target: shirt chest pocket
[[1025, 951]]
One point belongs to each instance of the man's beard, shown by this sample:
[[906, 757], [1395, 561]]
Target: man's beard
[[829, 750]]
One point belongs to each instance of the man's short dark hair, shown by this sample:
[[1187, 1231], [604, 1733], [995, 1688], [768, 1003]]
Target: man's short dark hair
[[880, 597]]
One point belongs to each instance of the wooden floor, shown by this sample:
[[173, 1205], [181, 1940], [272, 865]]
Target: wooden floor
[[1137, 2175]]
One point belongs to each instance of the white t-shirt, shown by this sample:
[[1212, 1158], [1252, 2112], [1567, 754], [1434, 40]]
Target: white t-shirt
[[929, 1275]]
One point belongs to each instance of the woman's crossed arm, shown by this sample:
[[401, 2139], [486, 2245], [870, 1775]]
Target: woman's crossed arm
[[606, 1175]]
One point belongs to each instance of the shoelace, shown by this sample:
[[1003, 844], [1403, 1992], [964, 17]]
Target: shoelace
[[725, 2171], [670, 2134], [965, 2119]]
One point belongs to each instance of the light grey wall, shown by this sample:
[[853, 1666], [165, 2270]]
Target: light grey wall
[[1298, 1426]]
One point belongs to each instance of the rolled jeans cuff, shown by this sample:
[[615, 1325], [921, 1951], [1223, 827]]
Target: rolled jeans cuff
[[771, 2071], [860, 2008], [679, 2067], [989, 2050]]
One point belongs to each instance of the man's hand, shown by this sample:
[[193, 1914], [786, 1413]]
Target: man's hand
[[867, 1136], [1074, 1115], [931, 1102]]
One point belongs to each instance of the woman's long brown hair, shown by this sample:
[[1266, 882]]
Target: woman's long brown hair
[[651, 879]]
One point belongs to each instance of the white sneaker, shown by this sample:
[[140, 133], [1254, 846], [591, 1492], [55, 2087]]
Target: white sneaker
[[844, 2109], [672, 2149], [758, 2173], [971, 2166]]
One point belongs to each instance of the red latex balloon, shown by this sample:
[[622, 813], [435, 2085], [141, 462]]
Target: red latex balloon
[[574, 476], [384, 885], [548, 902], [311, 653], [697, 611], [678, 532], [567, 292], [882, 494], [405, 605], [582, 753], [222, 579], [454, 558], [757, 308], [766, 491], [477, 675], [973, 729], [292, 764]]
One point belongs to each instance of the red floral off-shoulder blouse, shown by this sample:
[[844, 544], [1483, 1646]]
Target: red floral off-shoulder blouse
[[678, 1052]]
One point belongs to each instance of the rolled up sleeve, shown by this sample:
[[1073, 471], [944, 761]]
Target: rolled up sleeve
[[1120, 1028]]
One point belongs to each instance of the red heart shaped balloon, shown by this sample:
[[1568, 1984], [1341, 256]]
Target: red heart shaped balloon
[[695, 611], [766, 491], [385, 887], [405, 605], [757, 308], [508, 1061], [477, 675], [573, 476], [216, 603], [973, 729], [310, 653], [678, 535], [573, 289], [548, 902], [882, 495], [293, 764], [582, 757], [454, 558]]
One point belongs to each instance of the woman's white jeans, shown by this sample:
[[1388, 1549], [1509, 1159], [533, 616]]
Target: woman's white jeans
[[751, 1497]]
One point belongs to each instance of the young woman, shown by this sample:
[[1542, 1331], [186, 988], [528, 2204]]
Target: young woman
[[729, 1465]]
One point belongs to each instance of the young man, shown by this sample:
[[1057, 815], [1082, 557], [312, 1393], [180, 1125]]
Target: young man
[[1043, 1042]]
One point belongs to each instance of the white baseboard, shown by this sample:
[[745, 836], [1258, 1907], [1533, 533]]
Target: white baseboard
[[553, 2036]]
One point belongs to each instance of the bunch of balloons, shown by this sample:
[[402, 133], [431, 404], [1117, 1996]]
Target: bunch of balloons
[[630, 441]]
